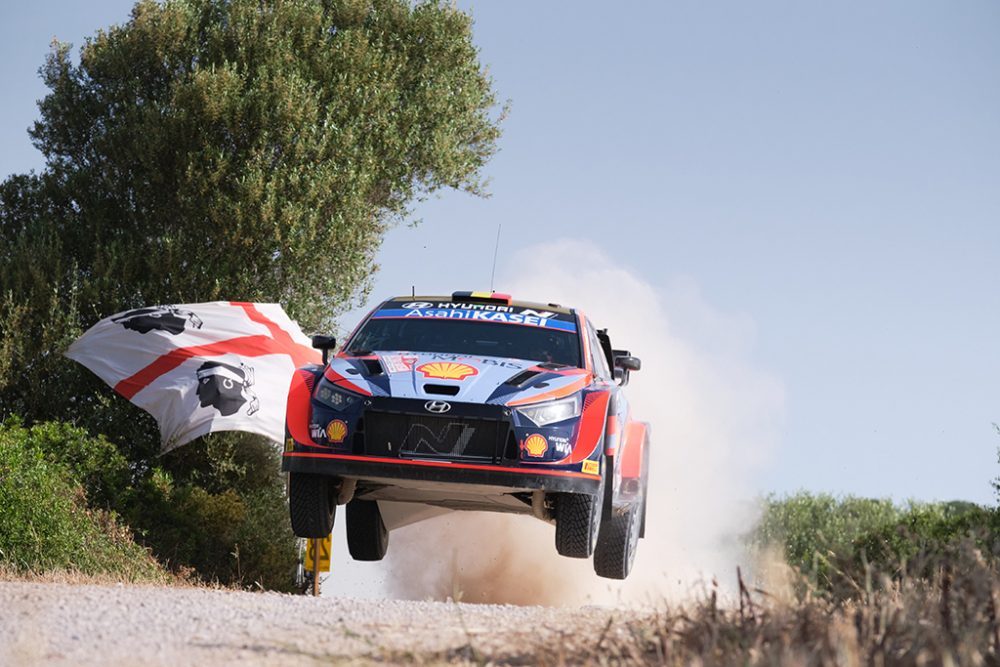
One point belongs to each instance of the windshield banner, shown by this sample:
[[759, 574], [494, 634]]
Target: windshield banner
[[528, 317]]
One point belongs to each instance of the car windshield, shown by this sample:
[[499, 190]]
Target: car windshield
[[465, 337]]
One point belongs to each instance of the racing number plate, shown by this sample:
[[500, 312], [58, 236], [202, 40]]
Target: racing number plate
[[325, 545]]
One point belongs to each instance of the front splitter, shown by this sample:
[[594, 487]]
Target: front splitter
[[506, 479]]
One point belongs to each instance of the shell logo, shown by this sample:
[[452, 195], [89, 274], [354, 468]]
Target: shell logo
[[336, 431], [447, 370], [536, 445]]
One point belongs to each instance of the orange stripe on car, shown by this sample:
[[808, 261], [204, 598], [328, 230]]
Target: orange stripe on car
[[611, 436], [635, 441], [595, 409], [339, 380], [571, 388]]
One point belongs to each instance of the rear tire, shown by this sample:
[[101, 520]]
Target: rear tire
[[367, 538], [617, 543], [311, 504], [578, 520]]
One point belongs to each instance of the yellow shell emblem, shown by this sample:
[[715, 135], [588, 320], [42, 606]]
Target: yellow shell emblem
[[447, 370], [336, 431], [536, 445]]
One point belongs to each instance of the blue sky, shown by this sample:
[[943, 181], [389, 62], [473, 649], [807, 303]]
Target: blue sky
[[815, 184]]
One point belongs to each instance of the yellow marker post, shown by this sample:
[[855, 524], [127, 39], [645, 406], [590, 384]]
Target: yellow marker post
[[318, 558], [316, 568]]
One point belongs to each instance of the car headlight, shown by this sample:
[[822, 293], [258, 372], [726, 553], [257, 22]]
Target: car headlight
[[335, 398], [551, 412]]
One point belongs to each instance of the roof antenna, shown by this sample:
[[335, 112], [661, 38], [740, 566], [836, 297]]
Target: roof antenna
[[413, 291], [495, 249]]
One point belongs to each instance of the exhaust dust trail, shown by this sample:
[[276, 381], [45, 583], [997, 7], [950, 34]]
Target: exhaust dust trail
[[714, 418]]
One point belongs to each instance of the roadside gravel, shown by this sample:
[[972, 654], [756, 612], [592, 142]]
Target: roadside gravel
[[65, 624]]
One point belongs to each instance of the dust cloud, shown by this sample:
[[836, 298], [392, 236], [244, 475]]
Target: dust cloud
[[715, 419]]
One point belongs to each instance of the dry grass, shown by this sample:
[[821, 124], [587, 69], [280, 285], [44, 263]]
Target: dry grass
[[75, 577], [949, 620]]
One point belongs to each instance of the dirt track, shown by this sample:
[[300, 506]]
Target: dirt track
[[54, 624]]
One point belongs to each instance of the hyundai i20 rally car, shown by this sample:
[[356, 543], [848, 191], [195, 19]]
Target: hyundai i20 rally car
[[470, 402]]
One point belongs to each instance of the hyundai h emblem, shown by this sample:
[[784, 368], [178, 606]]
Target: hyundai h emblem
[[437, 407]]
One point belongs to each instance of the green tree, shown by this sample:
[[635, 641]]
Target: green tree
[[225, 150], [230, 149]]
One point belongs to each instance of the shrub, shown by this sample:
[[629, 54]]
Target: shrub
[[837, 544], [45, 524], [93, 461], [217, 506]]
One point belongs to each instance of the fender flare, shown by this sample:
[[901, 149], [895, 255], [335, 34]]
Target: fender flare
[[298, 409]]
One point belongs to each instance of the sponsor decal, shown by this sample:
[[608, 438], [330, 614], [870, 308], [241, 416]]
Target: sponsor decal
[[336, 431], [591, 467], [447, 370], [437, 407], [417, 305], [289, 445], [316, 432], [560, 444], [444, 356], [490, 307], [450, 440], [530, 318], [535, 445], [502, 364], [544, 314], [398, 363]]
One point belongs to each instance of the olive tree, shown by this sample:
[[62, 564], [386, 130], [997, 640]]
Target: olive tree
[[224, 150], [231, 149]]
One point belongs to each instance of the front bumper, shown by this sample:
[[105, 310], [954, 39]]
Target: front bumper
[[388, 440], [385, 470]]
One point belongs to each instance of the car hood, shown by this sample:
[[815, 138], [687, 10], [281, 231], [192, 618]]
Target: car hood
[[455, 377]]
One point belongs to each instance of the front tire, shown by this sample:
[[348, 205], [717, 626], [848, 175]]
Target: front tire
[[578, 520], [617, 542], [311, 504], [367, 538]]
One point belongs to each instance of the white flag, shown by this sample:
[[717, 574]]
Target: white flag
[[201, 367]]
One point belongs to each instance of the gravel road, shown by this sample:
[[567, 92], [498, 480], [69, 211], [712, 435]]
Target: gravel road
[[64, 624]]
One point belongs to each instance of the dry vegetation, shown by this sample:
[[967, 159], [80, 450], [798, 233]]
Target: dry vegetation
[[950, 619]]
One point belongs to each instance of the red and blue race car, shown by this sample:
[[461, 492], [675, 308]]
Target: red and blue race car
[[471, 402]]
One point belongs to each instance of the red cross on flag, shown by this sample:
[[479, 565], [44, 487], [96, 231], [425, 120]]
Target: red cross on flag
[[201, 367]]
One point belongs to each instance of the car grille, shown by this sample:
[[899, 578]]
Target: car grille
[[434, 437]]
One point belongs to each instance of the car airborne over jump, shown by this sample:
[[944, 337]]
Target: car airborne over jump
[[470, 402]]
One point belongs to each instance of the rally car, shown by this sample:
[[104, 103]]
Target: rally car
[[472, 401]]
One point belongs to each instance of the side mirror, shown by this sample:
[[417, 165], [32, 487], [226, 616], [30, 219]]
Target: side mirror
[[325, 343], [628, 363], [624, 364]]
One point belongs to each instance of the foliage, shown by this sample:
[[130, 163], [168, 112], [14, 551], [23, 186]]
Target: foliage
[[228, 149], [220, 513], [837, 543], [94, 462], [45, 523], [221, 150], [995, 482]]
